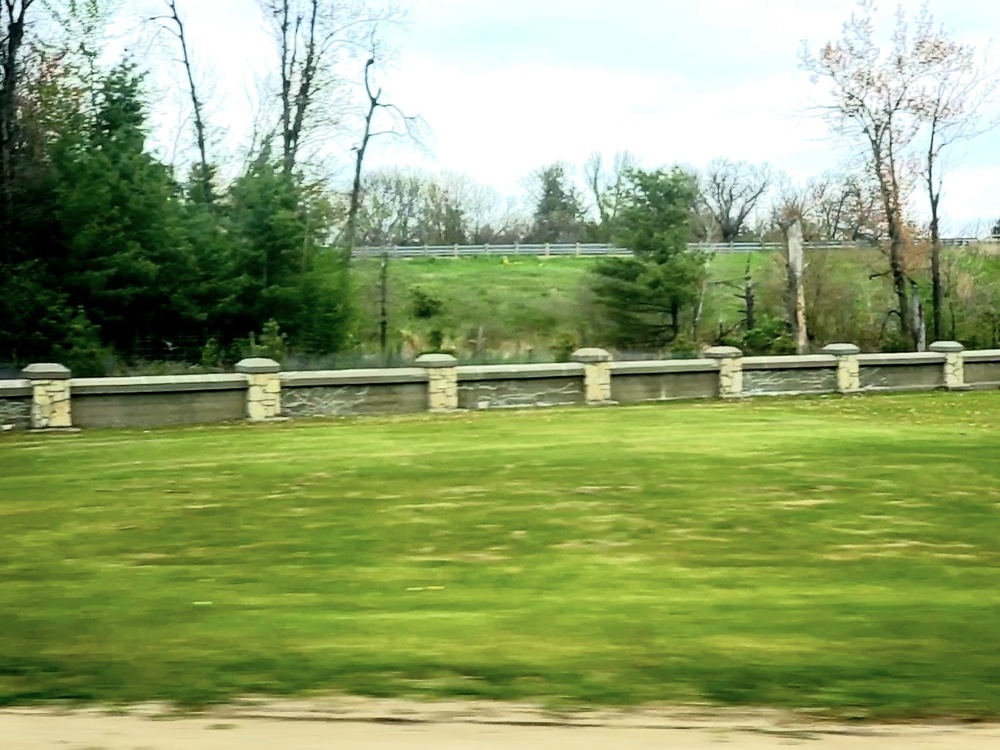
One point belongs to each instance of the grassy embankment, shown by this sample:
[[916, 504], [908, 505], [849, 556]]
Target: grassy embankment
[[536, 308]]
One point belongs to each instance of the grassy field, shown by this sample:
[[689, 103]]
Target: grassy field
[[526, 304], [836, 554], [536, 306]]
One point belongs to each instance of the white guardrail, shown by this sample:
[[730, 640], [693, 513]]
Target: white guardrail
[[585, 249]]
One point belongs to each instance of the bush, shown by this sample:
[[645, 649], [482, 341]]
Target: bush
[[771, 336], [424, 304]]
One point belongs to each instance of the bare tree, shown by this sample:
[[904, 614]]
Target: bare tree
[[389, 208], [845, 207], [204, 176], [398, 124], [313, 38], [608, 186], [872, 95], [957, 87], [732, 190]]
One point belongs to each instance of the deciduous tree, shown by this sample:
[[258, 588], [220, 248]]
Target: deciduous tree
[[732, 190]]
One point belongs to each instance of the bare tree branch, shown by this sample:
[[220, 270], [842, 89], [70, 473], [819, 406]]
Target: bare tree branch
[[196, 104], [732, 190]]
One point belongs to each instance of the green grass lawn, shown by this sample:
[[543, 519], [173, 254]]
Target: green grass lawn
[[839, 554]]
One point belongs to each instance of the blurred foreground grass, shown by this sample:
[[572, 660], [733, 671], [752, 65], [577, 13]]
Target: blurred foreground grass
[[841, 554]]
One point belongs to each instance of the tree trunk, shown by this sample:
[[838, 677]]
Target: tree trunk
[[8, 98], [917, 318], [750, 297], [199, 121], [352, 212], [796, 289], [383, 312], [899, 285], [936, 292], [937, 295]]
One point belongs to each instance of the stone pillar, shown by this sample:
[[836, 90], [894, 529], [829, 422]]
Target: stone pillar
[[596, 375], [954, 363], [50, 404], [730, 361], [848, 369], [442, 381], [263, 388]]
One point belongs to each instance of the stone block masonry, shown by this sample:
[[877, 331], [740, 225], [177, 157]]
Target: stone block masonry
[[730, 361], [263, 388], [596, 375], [954, 363], [848, 366], [51, 407], [442, 381]]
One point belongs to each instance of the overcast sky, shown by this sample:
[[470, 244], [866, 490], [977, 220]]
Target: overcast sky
[[507, 86]]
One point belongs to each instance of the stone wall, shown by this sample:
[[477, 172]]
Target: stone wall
[[158, 401], [982, 369], [520, 386], [901, 372], [353, 392], [15, 404], [640, 382], [49, 398], [778, 376]]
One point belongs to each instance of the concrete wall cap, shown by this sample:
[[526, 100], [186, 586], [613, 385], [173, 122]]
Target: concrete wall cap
[[723, 352], [432, 361], [588, 356], [842, 350], [946, 347], [257, 366], [46, 371]]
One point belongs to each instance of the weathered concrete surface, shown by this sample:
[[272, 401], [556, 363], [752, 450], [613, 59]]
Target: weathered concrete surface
[[158, 409], [638, 388], [351, 400], [982, 373], [520, 393], [902, 377], [762, 382], [363, 724]]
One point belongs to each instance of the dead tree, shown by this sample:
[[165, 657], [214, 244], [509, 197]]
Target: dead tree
[[204, 176], [795, 266], [399, 125]]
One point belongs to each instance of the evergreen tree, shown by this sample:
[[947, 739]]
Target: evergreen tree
[[646, 295]]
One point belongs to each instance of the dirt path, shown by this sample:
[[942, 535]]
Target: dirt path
[[353, 724]]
